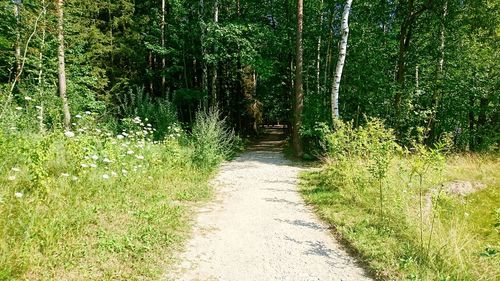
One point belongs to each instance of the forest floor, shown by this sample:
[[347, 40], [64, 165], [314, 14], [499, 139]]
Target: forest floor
[[259, 228]]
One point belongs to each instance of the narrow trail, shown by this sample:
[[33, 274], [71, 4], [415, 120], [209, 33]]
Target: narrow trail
[[259, 228]]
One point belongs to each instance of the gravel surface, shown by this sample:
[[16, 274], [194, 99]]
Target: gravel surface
[[259, 228]]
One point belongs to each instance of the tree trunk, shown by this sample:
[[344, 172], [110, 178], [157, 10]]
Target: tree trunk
[[341, 60], [18, 41], [42, 47], [213, 101], [405, 36], [318, 52], [163, 59], [299, 93], [62, 70], [437, 95]]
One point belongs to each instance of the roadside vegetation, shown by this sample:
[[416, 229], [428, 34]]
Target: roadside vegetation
[[416, 213], [101, 202]]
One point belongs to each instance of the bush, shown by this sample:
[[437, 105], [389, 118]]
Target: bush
[[212, 139]]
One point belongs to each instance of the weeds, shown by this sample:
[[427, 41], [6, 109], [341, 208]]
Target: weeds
[[390, 204]]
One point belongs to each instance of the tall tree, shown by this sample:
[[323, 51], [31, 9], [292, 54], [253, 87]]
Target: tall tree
[[341, 61], [61, 68], [299, 92], [405, 36]]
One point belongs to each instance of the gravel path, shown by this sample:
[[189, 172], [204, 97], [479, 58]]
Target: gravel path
[[258, 228]]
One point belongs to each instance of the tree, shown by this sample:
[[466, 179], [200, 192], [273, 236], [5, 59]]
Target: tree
[[340, 63], [299, 92], [61, 69]]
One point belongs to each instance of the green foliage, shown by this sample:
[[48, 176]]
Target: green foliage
[[392, 204], [212, 139]]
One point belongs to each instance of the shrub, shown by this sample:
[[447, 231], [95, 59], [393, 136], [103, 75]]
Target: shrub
[[212, 139]]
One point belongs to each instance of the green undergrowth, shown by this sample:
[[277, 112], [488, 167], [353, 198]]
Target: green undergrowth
[[91, 204], [395, 207]]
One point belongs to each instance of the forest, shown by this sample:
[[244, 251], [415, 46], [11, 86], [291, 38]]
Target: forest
[[115, 115]]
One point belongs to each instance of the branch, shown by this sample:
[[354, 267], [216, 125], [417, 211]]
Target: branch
[[9, 98]]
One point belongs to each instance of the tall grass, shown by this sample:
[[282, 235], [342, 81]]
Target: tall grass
[[93, 204], [212, 139], [390, 204]]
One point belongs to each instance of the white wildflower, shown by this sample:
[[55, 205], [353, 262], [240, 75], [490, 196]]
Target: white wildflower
[[28, 98], [105, 176], [19, 194], [81, 130], [12, 178], [149, 125], [130, 152], [38, 107], [88, 112], [124, 171], [106, 160], [120, 137], [114, 174], [16, 169], [78, 116], [140, 157], [69, 134], [65, 175], [19, 108], [94, 157], [150, 177], [85, 165], [74, 178], [93, 165]]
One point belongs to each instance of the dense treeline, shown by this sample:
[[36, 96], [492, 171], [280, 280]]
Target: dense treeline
[[425, 66]]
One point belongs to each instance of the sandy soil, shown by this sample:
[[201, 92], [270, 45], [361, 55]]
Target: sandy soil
[[258, 228]]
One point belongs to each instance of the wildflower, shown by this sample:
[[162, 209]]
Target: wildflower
[[12, 178], [85, 165], [81, 130], [93, 165], [88, 112], [140, 157], [18, 194], [125, 134], [130, 152], [39, 117], [149, 125], [120, 137], [65, 175], [108, 134], [94, 157], [38, 107], [98, 130], [105, 176], [74, 178], [150, 177], [28, 98], [16, 169], [106, 160], [19, 108], [124, 171], [124, 144], [69, 134], [113, 174], [78, 116]]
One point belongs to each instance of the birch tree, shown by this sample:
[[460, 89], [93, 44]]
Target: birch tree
[[341, 60], [61, 65]]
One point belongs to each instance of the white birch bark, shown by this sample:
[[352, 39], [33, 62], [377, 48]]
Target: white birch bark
[[341, 60], [318, 52]]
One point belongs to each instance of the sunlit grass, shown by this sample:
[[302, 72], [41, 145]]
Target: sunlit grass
[[464, 243], [92, 205]]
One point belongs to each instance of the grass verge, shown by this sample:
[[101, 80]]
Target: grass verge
[[460, 232]]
